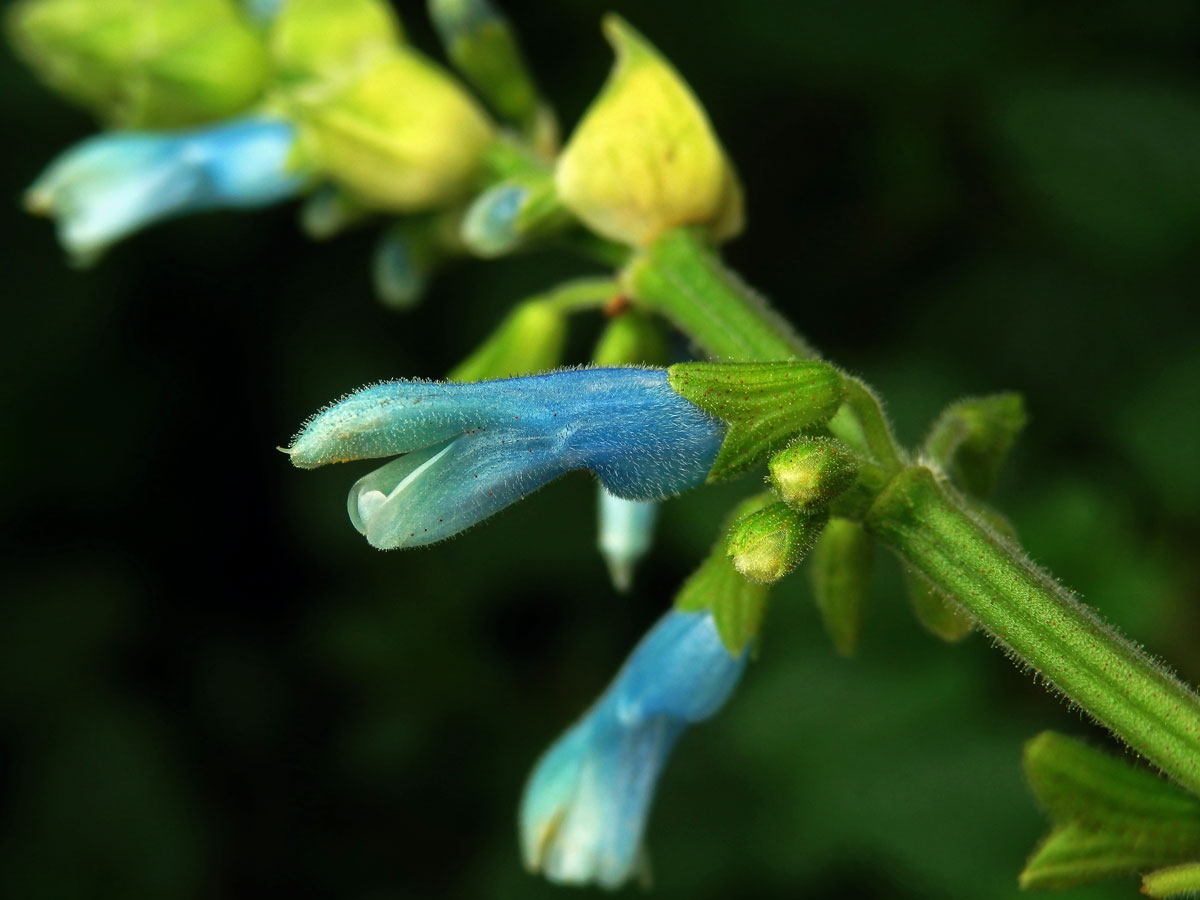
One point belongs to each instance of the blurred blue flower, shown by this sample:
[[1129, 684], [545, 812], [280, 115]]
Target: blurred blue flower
[[111, 185], [472, 449], [585, 807]]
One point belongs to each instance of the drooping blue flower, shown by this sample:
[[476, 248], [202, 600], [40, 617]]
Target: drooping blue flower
[[472, 449], [584, 810], [111, 185], [625, 534]]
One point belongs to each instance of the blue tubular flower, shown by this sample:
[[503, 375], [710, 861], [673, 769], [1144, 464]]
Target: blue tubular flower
[[471, 449], [111, 185], [584, 810]]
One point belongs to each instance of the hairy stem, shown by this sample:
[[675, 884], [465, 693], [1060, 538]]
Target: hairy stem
[[1041, 623]]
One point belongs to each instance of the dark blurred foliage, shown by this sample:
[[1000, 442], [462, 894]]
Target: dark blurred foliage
[[212, 687]]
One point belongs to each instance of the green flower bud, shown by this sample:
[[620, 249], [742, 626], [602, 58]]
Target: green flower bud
[[632, 338], [812, 472], [144, 63], [768, 544], [1174, 881], [530, 339], [400, 133], [645, 158], [765, 404], [840, 572], [406, 258], [971, 439], [331, 38], [481, 44]]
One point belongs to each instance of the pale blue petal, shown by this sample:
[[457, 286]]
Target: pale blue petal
[[680, 669], [438, 491], [626, 531], [584, 811], [641, 438], [111, 185]]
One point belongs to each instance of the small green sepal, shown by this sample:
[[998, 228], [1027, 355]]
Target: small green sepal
[[738, 605], [765, 404], [811, 472], [1111, 819], [768, 544], [935, 610], [971, 439], [840, 572], [1173, 881]]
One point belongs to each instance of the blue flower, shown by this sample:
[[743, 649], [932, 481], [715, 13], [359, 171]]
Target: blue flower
[[585, 807], [472, 449], [111, 185]]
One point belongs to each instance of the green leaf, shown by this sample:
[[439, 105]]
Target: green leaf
[[840, 572], [934, 608], [1075, 782], [738, 605], [971, 439], [1111, 818], [1174, 881], [765, 404]]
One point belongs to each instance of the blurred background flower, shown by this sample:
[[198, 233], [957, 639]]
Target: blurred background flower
[[229, 693]]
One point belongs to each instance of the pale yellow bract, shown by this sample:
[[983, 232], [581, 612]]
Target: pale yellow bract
[[645, 157]]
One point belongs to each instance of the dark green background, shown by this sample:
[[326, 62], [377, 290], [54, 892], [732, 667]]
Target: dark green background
[[210, 686]]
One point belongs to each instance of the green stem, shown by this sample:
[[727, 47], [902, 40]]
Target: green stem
[[1041, 623], [682, 278]]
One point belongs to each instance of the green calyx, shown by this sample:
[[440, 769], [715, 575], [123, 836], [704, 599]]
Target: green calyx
[[812, 472], [738, 605], [840, 573], [971, 439], [767, 544], [1110, 818], [765, 404]]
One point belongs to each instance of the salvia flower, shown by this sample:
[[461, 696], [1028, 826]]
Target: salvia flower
[[472, 449], [112, 185], [584, 811]]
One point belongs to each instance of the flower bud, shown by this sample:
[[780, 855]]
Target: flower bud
[[632, 338], [328, 211], [406, 257], [530, 339], [400, 133], [330, 38], [625, 534], [144, 63], [645, 158], [508, 214], [812, 472], [481, 44], [738, 606], [768, 544]]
